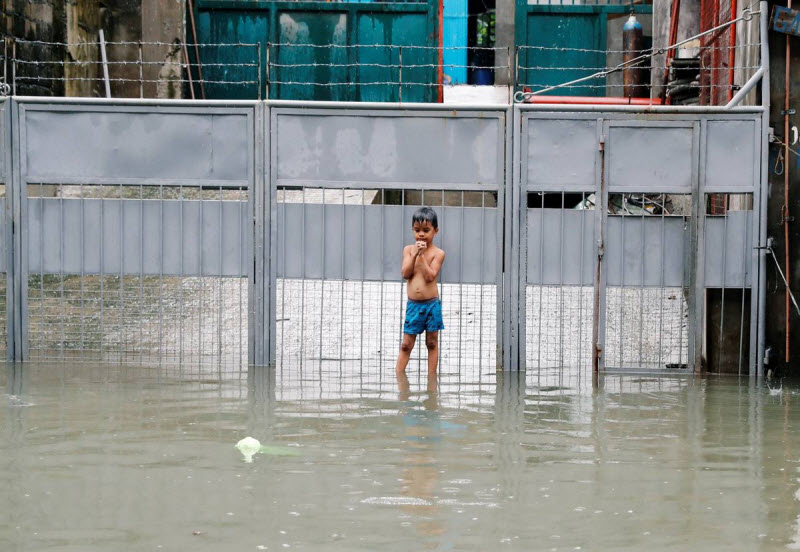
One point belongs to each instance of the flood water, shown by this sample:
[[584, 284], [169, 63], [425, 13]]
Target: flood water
[[122, 458]]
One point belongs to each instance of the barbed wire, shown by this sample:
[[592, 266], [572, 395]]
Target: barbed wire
[[591, 51], [121, 79], [137, 43]]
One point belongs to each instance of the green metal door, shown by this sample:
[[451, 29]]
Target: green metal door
[[561, 43], [320, 50]]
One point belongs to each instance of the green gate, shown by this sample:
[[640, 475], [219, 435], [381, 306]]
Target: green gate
[[365, 51], [561, 43]]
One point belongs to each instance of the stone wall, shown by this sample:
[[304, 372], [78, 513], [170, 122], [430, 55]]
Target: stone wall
[[72, 66]]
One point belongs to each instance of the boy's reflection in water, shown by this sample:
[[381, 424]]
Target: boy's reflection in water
[[422, 436]]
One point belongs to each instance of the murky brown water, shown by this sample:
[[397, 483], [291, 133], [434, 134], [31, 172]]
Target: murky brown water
[[111, 458]]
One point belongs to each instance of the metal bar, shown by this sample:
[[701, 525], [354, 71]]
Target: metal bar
[[220, 279], [102, 272], [561, 289], [361, 309], [83, 257], [344, 279], [161, 273], [383, 263], [460, 283], [598, 325], [180, 276], [106, 80], [744, 90], [41, 271], [661, 289], [122, 332], [621, 330], [580, 290], [322, 284], [141, 272], [641, 291], [303, 282], [696, 266]]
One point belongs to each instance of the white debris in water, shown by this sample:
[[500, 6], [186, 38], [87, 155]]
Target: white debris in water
[[248, 447]]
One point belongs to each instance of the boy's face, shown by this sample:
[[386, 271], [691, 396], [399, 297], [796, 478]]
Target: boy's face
[[424, 231]]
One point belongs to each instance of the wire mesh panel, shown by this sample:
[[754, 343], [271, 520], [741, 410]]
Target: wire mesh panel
[[136, 243], [345, 185], [647, 310]]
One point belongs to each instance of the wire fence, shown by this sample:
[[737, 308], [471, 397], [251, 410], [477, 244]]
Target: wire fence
[[708, 70]]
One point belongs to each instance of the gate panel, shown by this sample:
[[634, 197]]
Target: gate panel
[[345, 183], [665, 203], [558, 185], [137, 233]]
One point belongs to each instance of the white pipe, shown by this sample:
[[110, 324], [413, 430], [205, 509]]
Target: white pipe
[[105, 63], [744, 90]]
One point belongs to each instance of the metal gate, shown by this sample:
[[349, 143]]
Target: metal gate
[[635, 234], [133, 230], [268, 232], [344, 182]]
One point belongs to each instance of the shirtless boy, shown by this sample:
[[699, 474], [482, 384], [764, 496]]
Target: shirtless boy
[[422, 262]]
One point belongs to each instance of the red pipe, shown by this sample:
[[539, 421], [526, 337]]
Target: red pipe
[[592, 100], [440, 69], [732, 50]]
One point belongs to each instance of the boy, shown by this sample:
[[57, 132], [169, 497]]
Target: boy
[[421, 265]]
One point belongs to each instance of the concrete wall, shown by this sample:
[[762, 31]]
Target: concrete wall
[[163, 21], [44, 20], [76, 24], [504, 38]]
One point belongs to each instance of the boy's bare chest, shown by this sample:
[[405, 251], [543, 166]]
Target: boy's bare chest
[[428, 256]]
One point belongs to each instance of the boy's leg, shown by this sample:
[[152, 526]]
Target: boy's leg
[[432, 343], [406, 346]]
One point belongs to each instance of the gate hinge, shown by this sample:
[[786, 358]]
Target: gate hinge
[[600, 251]]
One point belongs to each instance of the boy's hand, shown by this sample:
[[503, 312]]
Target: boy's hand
[[420, 247]]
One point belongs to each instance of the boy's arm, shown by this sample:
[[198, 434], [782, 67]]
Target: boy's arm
[[430, 270], [407, 269]]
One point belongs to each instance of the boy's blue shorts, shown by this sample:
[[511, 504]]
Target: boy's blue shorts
[[423, 316]]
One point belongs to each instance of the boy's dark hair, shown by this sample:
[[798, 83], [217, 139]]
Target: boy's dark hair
[[425, 214]]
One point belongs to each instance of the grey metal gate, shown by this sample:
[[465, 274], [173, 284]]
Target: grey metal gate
[[270, 232], [636, 241], [134, 229], [344, 182]]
